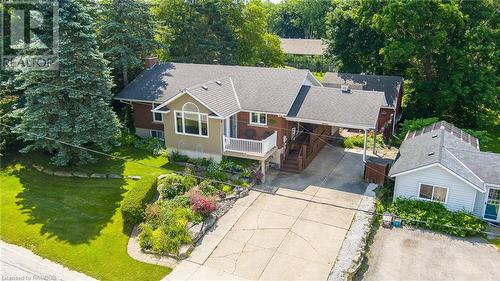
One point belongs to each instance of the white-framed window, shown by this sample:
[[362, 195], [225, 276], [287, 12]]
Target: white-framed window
[[189, 121], [157, 134], [157, 117], [433, 193], [257, 118]]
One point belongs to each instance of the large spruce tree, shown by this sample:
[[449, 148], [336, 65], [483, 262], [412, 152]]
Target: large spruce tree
[[71, 104], [126, 34]]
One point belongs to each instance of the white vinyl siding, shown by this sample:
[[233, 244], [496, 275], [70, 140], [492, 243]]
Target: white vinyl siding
[[461, 196], [479, 205]]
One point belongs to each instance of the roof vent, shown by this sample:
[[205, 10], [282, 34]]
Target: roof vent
[[204, 87], [430, 153], [218, 82], [345, 88]]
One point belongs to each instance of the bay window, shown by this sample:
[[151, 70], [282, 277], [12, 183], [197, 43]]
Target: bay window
[[190, 121]]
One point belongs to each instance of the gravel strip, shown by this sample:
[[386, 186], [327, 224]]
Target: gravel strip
[[352, 252]]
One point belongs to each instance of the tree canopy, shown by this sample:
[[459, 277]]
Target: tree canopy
[[299, 18], [126, 34], [222, 31], [446, 50]]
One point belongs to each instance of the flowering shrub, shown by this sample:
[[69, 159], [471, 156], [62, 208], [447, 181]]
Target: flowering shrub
[[201, 204]]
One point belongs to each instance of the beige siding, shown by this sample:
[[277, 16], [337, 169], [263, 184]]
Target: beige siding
[[193, 146]]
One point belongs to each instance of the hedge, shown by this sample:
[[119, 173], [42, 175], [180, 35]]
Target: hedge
[[134, 203], [434, 216]]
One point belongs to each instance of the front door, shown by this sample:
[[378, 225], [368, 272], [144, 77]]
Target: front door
[[492, 209]]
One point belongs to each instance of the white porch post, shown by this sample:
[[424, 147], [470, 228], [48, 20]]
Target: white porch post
[[365, 145], [263, 169]]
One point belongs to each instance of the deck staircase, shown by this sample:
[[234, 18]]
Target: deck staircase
[[292, 161], [302, 150]]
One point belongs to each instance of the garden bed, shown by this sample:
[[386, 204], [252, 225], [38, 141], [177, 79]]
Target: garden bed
[[230, 170], [186, 208]]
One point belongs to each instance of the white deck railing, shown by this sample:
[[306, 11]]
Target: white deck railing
[[250, 146]]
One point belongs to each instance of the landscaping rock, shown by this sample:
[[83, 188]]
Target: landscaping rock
[[98, 176], [48, 171], [162, 176], [231, 197], [185, 250], [80, 175], [136, 178], [62, 174], [195, 232], [38, 167], [208, 222], [243, 193], [114, 176]]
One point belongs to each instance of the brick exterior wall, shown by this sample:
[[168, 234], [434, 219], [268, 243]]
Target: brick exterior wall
[[274, 123], [384, 116], [143, 117]]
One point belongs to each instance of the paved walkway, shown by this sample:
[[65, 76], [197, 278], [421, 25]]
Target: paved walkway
[[18, 263], [292, 235]]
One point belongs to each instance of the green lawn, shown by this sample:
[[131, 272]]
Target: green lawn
[[76, 222], [496, 242]]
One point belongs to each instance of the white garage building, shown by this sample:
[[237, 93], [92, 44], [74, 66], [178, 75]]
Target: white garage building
[[443, 163]]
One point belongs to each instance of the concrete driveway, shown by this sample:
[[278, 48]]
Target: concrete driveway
[[334, 167], [403, 254], [291, 235]]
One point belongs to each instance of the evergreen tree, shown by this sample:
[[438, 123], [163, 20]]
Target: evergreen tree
[[72, 103], [126, 34]]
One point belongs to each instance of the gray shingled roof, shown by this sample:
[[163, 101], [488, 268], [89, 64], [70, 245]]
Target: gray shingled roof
[[360, 108], [218, 95], [390, 85], [302, 46], [450, 149], [253, 85], [486, 165]]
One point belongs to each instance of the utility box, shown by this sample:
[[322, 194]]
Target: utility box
[[377, 169]]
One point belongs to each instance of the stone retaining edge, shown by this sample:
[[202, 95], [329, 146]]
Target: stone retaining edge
[[353, 248]]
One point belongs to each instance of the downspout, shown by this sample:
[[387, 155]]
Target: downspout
[[365, 146]]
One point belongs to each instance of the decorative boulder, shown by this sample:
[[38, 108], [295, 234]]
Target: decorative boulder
[[80, 175], [62, 174], [208, 222], [162, 176], [195, 232], [48, 171], [38, 167], [185, 250], [243, 193], [98, 176]]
